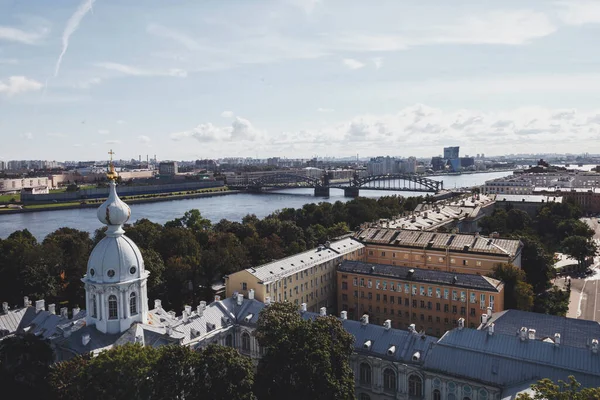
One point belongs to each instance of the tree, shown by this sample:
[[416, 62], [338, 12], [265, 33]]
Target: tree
[[303, 359], [553, 302], [24, 366], [67, 379], [173, 375], [536, 263], [154, 264], [517, 293], [545, 389], [580, 248]]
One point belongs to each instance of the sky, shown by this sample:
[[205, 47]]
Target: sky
[[297, 78]]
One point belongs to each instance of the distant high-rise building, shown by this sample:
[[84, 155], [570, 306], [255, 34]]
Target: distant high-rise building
[[2, 165], [451, 153], [168, 168]]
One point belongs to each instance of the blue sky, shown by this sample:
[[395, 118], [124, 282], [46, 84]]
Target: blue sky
[[297, 78]]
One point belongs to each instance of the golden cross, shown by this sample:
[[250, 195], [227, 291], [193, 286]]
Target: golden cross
[[111, 154]]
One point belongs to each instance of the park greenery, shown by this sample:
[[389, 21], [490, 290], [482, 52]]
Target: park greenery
[[185, 256], [546, 389], [302, 359], [555, 228]]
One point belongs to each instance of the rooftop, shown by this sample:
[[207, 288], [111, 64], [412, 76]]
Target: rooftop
[[469, 281], [528, 198], [440, 241], [298, 262]]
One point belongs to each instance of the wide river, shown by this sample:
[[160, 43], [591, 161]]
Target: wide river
[[232, 207]]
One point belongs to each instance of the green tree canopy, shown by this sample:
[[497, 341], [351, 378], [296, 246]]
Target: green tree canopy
[[580, 248], [518, 294], [545, 389]]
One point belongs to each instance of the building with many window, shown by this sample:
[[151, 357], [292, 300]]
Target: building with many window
[[308, 277], [9, 185], [450, 252], [431, 300]]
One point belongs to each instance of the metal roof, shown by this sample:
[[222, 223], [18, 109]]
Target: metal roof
[[506, 360], [298, 262], [528, 198], [439, 241], [470, 281], [573, 332]]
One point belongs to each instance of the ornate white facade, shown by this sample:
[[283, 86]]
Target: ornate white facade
[[115, 283]]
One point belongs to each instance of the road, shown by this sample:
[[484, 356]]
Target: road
[[585, 291]]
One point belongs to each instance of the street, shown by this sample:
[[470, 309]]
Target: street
[[585, 291]]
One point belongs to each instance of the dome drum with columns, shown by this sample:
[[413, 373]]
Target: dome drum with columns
[[115, 283]]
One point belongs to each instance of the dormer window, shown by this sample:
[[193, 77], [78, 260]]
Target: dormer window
[[367, 345]]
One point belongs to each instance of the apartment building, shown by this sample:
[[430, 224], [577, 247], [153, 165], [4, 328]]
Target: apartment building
[[508, 185], [308, 277], [450, 252], [9, 185], [431, 300]]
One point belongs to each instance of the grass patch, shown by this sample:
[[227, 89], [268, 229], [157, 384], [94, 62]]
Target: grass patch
[[5, 198]]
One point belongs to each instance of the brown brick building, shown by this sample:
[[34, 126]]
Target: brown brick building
[[432, 300], [456, 253]]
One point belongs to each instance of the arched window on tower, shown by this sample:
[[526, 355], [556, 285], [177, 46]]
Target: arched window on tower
[[112, 307], [245, 341], [389, 380], [415, 386], [437, 395], [133, 304], [94, 307], [365, 374]]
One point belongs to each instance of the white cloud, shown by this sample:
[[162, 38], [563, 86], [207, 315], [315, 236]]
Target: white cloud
[[27, 135], [325, 110], [227, 114], [19, 84], [103, 131], [579, 12], [71, 27], [88, 83], [112, 141], [378, 61], [352, 63], [135, 71], [17, 35], [185, 40], [145, 140], [241, 129]]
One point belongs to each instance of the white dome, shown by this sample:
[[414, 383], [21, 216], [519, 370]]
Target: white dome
[[113, 212], [115, 259]]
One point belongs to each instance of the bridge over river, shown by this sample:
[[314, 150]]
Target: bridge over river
[[351, 187]]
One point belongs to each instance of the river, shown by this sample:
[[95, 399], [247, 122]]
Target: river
[[232, 207]]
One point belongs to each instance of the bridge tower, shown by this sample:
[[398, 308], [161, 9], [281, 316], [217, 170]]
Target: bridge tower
[[321, 191], [351, 191]]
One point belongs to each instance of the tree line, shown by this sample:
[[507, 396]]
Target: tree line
[[556, 227], [185, 256]]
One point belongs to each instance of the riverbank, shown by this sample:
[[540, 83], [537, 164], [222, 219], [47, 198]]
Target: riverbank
[[487, 171], [96, 203]]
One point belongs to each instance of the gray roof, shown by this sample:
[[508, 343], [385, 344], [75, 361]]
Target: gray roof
[[10, 322], [504, 360], [298, 262], [528, 198], [470, 281], [440, 241], [573, 332], [406, 343]]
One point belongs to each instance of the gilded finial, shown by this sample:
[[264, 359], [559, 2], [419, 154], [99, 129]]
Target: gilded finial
[[111, 174]]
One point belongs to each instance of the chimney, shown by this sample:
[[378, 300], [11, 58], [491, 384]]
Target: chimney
[[85, 339], [251, 294], [52, 308], [184, 315], [364, 320], [39, 306], [200, 311], [26, 302], [491, 329], [523, 334], [489, 312], [188, 310], [4, 307], [484, 318], [557, 339], [323, 311], [594, 346], [531, 334], [387, 324], [391, 351], [344, 315], [412, 328], [157, 304], [169, 330], [203, 304], [461, 323], [67, 329], [239, 300], [367, 345], [64, 312], [218, 298], [303, 307], [75, 312], [267, 300]]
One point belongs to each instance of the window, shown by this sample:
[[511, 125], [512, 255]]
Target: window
[[438, 293], [384, 285], [344, 297], [406, 288], [245, 341], [463, 310], [452, 261], [414, 304], [112, 307], [454, 309], [482, 301], [463, 297], [429, 292], [378, 297], [492, 301], [389, 380], [445, 307], [393, 255], [478, 263], [406, 256], [370, 284], [370, 296], [446, 294], [356, 293], [383, 254], [133, 304], [229, 340], [472, 298], [344, 285], [370, 252], [437, 395], [422, 291], [422, 303], [454, 295], [377, 284], [414, 290], [355, 281], [244, 286], [465, 262], [437, 307], [94, 307], [392, 300], [415, 386], [365, 374], [429, 305]]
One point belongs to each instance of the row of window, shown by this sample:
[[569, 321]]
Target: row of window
[[113, 306], [419, 257], [428, 306]]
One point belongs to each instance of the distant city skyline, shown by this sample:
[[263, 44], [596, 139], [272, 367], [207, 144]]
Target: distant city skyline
[[297, 78]]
